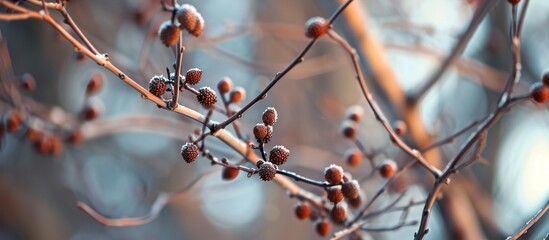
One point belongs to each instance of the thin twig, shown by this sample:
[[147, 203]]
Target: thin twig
[[380, 117], [180, 49], [281, 74], [464, 39], [530, 222]]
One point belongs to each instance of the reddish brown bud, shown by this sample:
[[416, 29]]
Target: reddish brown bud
[[350, 189], [186, 15], [354, 113], [333, 174], [316, 27], [14, 121], [323, 227], [225, 85], [237, 95], [27, 82], [388, 168], [158, 85], [193, 76], [168, 33], [74, 137], [92, 110], [353, 157], [95, 84], [189, 152], [263, 133], [269, 116], [334, 194], [33, 134], [43, 145], [302, 210], [357, 202], [400, 128], [198, 27], [207, 97], [539, 93], [348, 129], [338, 213], [267, 171], [279, 155], [229, 173]]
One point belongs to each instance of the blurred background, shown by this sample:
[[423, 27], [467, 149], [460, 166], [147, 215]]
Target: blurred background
[[130, 154]]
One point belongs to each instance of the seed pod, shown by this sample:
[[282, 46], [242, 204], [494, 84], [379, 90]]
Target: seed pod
[[43, 145], [388, 168], [168, 33], [263, 133], [193, 76], [353, 157], [269, 116], [33, 134], [74, 137], [237, 95], [350, 189], [400, 128], [189, 152], [186, 15], [323, 227], [206, 97], [158, 85], [334, 194], [267, 171], [229, 173], [27, 82], [92, 110], [302, 210], [333, 174], [95, 84], [348, 129], [14, 121], [198, 27], [355, 113], [316, 27], [338, 213], [279, 155], [539, 93], [357, 202], [225, 85]]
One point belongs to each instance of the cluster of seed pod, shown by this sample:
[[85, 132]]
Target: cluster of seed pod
[[278, 155], [46, 141], [353, 157], [159, 85], [341, 187], [185, 17], [47, 138]]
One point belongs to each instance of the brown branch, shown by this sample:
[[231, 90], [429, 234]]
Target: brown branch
[[530, 222]]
